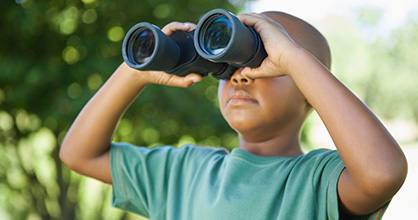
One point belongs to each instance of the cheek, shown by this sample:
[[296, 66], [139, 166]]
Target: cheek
[[290, 107], [281, 100]]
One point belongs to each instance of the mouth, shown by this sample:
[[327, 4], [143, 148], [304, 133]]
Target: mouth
[[240, 97]]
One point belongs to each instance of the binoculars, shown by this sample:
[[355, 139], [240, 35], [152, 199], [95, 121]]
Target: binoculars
[[219, 45]]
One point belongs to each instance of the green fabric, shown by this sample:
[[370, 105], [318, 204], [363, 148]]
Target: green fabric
[[200, 183]]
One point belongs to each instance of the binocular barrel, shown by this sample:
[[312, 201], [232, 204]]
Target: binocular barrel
[[146, 47], [219, 45], [221, 37]]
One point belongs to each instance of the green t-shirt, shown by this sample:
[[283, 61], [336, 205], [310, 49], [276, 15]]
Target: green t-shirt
[[207, 183]]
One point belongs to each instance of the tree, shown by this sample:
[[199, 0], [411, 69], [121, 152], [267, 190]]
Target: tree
[[54, 55], [378, 66]]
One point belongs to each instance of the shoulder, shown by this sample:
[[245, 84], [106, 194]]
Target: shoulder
[[321, 152], [204, 149], [198, 154], [322, 155], [325, 165], [168, 151]]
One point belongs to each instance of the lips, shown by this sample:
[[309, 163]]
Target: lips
[[241, 97]]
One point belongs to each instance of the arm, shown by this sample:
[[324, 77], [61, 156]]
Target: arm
[[86, 146], [375, 165]]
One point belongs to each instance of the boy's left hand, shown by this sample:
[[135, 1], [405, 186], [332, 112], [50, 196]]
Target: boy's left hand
[[277, 43]]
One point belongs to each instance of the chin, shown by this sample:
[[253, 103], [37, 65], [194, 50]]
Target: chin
[[242, 126], [243, 121]]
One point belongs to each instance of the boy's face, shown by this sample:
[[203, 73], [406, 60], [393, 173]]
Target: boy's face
[[261, 108]]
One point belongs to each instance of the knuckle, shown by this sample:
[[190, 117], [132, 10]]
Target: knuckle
[[171, 25]]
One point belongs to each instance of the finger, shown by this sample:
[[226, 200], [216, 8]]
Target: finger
[[252, 19], [261, 71], [253, 73], [174, 26], [190, 25], [184, 82], [259, 21]]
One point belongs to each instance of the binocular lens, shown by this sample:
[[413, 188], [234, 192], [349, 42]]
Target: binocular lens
[[217, 35], [143, 46]]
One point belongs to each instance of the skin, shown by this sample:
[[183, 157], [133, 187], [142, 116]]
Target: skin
[[267, 107], [267, 113]]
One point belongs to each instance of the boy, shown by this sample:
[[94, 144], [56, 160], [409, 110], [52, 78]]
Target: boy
[[267, 177]]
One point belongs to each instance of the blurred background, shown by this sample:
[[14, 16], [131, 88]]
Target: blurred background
[[54, 55]]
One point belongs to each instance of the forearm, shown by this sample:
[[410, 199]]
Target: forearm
[[91, 133], [365, 146]]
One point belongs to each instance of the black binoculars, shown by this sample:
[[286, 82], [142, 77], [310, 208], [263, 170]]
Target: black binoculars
[[219, 45]]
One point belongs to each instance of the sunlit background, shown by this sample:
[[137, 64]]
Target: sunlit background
[[374, 48], [54, 55]]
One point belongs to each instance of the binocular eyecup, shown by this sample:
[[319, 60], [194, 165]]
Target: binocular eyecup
[[219, 45]]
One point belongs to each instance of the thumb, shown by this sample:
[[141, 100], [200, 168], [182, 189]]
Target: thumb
[[184, 82], [253, 73], [266, 69]]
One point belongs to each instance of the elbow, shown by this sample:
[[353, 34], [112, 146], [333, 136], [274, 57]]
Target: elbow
[[64, 158], [67, 157], [399, 175], [397, 172], [389, 179]]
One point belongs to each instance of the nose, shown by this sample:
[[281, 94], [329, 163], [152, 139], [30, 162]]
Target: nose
[[239, 79]]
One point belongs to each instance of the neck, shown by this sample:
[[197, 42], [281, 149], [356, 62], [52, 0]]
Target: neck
[[285, 145]]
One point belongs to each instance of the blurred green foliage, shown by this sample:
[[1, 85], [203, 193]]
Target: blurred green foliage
[[378, 63], [54, 55]]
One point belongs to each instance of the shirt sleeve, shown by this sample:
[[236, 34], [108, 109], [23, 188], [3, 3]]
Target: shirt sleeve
[[139, 176], [145, 180], [331, 167]]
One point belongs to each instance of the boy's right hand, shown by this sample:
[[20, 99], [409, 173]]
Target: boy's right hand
[[162, 78]]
